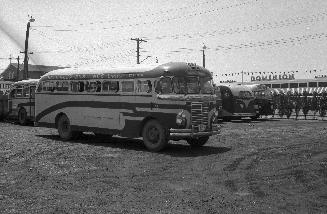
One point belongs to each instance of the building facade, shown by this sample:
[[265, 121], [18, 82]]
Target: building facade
[[15, 72]]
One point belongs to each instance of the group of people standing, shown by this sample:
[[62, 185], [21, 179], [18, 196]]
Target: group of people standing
[[286, 103]]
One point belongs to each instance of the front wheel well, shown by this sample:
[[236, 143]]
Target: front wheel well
[[57, 118]]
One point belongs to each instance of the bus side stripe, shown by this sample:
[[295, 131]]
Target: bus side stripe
[[110, 105]]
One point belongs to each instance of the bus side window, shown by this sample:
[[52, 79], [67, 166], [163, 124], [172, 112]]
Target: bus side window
[[26, 91], [32, 91], [44, 86], [144, 86], [64, 86], [157, 86], [90, 86], [127, 86], [39, 87], [74, 86], [98, 86], [149, 86], [164, 86], [110, 86], [81, 86], [12, 93], [19, 92]]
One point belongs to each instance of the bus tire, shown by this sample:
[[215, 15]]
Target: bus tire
[[197, 142], [64, 128], [154, 136], [22, 116]]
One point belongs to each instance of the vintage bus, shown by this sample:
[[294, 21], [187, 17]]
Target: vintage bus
[[237, 102], [263, 98], [170, 101], [317, 85], [21, 101]]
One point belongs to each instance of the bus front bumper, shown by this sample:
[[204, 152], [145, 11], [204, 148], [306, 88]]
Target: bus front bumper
[[191, 133]]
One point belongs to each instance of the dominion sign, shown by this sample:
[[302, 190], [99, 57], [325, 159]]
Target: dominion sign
[[273, 77]]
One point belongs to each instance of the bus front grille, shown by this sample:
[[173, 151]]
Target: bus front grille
[[199, 112]]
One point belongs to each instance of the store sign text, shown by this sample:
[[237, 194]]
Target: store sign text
[[273, 77]]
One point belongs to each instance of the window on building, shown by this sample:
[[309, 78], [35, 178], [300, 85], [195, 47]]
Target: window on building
[[322, 84], [294, 85], [303, 85], [312, 84], [275, 85], [284, 85]]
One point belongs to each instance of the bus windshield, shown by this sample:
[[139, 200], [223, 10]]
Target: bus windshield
[[184, 85]]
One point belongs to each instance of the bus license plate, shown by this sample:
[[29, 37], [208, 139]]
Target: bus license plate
[[202, 127]]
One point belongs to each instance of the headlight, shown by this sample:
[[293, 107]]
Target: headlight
[[214, 116], [181, 119]]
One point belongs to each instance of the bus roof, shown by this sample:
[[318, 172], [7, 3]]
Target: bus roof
[[139, 71], [286, 81], [27, 82], [235, 89]]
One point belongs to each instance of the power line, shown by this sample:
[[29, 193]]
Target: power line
[[251, 28], [138, 41], [272, 43]]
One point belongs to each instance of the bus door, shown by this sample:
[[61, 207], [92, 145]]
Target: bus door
[[32, 101], [227, 99]]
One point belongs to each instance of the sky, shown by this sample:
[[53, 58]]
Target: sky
[[239, 35]]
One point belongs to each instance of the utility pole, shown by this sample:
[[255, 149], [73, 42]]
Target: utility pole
[[17, 73], [242, 76], [25, 74], [203, 56], [138, 41]]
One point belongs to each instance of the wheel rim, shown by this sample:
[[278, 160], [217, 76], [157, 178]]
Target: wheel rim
[[21, 116], [64, 127], [153, 134]]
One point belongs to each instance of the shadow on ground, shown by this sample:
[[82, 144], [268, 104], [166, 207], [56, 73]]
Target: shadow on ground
[[175, 149]]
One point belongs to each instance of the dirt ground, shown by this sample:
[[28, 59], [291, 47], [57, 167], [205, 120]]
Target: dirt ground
[[267, 166]]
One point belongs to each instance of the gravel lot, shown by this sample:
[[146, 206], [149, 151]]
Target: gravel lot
[[274, 166]]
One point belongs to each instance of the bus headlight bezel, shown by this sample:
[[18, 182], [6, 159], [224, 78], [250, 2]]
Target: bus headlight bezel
[[181, 120]]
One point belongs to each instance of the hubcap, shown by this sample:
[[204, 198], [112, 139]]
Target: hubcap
[[153, 134]]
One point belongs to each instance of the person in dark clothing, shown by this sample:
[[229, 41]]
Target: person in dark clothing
[[297, 104], [323, 105], [274, 103], [288, 105], [305, 104], [281, 107], [314, 104]]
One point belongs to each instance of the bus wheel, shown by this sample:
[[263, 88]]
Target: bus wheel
[[154, 136], [64, 128], [22, 116], [197, 142]]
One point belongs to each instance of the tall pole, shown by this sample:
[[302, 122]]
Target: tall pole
[[203, 56], [138, 41], [25, 74], [242, 76], [17, 74]]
